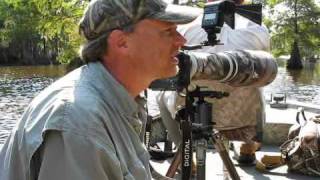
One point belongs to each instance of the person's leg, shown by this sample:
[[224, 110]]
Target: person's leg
[[247, 153], [247, 150], [243, 144]]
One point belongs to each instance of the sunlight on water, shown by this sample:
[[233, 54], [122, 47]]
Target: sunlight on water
[[18, 85]]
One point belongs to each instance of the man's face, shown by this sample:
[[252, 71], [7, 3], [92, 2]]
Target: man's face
[[153, 47]]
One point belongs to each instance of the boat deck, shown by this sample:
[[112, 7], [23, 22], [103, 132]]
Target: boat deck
[[275, 130], [278, 121], [214, 167]]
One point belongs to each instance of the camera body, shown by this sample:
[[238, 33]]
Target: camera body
[[214, 16], [219, 12], [178, 82]]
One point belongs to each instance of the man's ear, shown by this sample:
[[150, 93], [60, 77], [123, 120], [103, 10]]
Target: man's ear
[[117, 39]]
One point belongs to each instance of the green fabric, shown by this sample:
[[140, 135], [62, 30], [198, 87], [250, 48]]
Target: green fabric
[[102, 16]]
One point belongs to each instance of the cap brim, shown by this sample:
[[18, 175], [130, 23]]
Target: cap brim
[[178, 14]]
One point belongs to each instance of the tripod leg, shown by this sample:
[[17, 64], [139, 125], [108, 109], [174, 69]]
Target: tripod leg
[[225, 157], [175, 164], [201, 146]]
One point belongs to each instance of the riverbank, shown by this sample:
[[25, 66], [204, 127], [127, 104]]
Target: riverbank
[[26, 52]]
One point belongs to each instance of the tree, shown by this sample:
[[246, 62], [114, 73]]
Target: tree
[[294, 26], [46, 26], [18, 30], [58, 26]]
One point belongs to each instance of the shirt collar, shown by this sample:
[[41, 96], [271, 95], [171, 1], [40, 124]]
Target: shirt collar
[[108, 85]]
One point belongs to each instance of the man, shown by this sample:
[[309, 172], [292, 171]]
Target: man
[[238, 116], [86, 125]]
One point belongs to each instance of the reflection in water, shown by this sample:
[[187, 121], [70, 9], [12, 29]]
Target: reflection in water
[[18, 85]]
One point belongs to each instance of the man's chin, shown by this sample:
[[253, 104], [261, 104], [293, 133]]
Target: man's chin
[[171, 74]]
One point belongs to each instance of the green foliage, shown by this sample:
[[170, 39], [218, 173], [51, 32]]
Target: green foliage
[[51, 24], [18, 19], [198, 3], [294, 20], [58, 26]]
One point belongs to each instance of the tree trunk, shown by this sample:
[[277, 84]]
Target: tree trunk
[[295, 60]]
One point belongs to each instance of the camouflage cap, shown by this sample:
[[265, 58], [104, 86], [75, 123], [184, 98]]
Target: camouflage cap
[[102, 16]]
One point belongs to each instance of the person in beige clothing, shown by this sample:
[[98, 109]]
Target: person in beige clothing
[[239, 116], [87, 125]]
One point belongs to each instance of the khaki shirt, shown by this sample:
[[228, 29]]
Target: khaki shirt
[[84, 126]]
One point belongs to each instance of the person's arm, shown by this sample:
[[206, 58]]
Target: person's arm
[[251, 37], [66, 155]]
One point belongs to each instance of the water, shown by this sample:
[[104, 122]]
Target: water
[[302, 86], [18, 85]]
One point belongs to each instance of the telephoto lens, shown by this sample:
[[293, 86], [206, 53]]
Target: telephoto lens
[[235, 68]]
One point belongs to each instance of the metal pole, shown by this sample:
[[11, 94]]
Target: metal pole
[[201, 146]]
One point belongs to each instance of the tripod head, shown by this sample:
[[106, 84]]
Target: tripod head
[[200, 111], [196, 122], [201, 94]]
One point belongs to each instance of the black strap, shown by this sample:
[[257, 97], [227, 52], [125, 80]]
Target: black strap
[[301, 111], [186, 149], [147, 134]]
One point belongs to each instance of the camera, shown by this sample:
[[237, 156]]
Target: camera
[[178, 82], [215, 15], [219, 12]]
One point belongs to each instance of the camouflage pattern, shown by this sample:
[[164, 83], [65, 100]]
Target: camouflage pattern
[[301, 151], [238, 112], [235, 68], [244, 105], [246, 134], [102, 16]]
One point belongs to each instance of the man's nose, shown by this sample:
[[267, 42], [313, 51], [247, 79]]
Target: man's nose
[[180, 40]]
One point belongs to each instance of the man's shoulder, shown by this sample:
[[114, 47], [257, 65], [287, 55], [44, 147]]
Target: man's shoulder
[[67, 109], [87, 111]]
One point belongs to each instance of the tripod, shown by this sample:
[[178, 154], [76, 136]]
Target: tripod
[[197, 127]]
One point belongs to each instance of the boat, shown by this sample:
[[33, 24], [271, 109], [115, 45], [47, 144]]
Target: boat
[[279, 118]]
